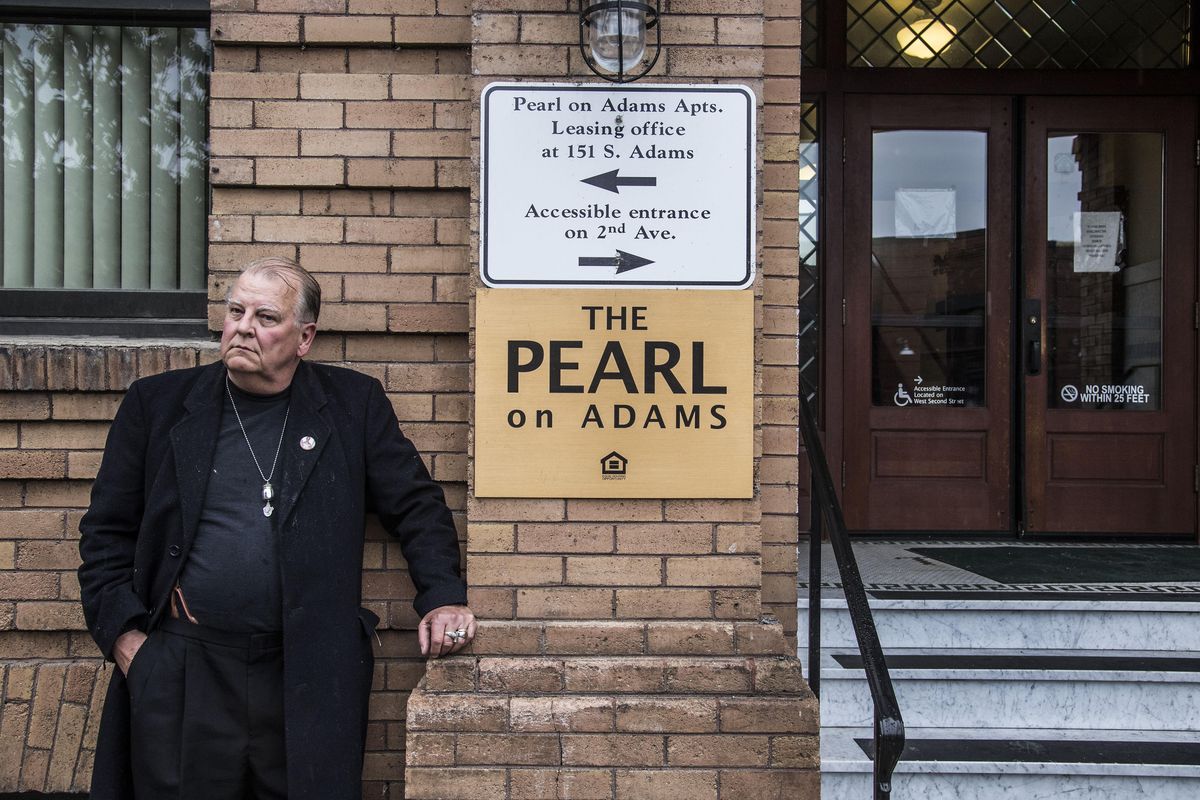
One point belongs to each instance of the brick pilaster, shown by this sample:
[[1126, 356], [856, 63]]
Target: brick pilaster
[[628, 648]]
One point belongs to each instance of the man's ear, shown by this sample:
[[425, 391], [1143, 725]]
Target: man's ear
[[307, 333]]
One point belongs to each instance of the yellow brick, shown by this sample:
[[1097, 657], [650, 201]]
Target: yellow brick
[[347, 30], [496, 28], [453, 144], [387, 288], [549, 28], [514, 570], [251, 201], [389, 114], [343, 258], [297, 229], [253, 84], [491, 538], [303, 6], [344, 143], [343, 87], [230, 113], [297, 113], [253, 143], [714, 571], [299, 171], [63, 435], [432, 30], [740, 31], [231, 171], [614, 571], [256, 28], [390, 172], [507, 59], [430, 87], [390, 231]]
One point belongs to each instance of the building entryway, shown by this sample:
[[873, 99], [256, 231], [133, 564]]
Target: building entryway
[[1020, 314]]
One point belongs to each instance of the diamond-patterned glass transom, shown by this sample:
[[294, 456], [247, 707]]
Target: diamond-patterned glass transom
[[810, 33], [1019, 34], [810, 254]]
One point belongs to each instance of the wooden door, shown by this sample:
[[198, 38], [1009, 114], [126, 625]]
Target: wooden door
[[928, 288], [1108, 328]]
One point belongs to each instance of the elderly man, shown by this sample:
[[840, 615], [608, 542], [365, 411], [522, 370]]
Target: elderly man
[[222, 561]]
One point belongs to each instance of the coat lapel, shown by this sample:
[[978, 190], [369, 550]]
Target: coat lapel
[[304, 422], [193, 441]]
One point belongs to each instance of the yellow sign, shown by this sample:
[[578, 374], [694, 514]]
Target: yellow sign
[[592, 393]]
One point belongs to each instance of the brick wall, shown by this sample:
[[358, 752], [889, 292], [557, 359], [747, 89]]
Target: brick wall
[[56, 402], [630, 649], [341, 135]]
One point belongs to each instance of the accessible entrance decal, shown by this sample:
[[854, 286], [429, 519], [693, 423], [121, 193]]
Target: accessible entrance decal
[[930, 394]]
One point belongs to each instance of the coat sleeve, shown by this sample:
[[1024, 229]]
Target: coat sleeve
[[110, 527], [411, 507]]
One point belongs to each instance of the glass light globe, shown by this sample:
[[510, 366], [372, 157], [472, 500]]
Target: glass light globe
[[925, 38], [618, 39]]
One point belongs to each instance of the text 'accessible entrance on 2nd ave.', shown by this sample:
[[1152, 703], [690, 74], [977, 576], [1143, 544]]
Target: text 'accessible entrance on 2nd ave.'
[[633, 186]]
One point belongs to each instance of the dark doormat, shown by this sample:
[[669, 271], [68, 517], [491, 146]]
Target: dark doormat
[[1072, 564]]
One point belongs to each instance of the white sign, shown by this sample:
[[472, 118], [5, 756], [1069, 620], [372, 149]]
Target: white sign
[[1097, 237], [926, 213], [596, 185]]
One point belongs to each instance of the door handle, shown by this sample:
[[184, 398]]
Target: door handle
[[1031, 335]]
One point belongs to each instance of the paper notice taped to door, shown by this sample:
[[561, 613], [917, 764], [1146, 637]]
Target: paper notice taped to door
[[926, 214], [1097, 239]]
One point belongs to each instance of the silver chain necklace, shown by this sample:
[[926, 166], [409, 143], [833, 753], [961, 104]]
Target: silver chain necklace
[[268, 492]]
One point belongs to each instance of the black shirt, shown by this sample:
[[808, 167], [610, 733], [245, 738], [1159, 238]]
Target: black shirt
[[231, 580]]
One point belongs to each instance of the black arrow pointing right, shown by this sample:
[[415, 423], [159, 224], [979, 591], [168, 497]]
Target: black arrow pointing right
[[624, 262], [613, 183]]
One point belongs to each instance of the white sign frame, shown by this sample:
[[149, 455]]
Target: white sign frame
[[520, 249]]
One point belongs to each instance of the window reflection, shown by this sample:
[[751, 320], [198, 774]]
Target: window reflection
[[928, 268], [1104, 270], [103, 149]]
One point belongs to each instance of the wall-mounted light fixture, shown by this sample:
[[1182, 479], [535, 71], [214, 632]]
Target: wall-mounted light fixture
[[613, 37], [928, 34]]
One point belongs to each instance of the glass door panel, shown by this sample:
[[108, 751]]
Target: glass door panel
[[928, 268], [1104, 270]]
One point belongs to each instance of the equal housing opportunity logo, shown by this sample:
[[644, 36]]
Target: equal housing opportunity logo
[[613, 467]]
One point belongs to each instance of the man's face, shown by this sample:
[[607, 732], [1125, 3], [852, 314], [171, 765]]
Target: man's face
[[261, 344]]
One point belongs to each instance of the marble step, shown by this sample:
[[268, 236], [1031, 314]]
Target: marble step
[[1003, 764], [1014, 624], [1021, 689]]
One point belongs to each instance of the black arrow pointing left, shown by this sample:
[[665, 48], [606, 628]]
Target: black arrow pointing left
[[624, 262], [612, 182]]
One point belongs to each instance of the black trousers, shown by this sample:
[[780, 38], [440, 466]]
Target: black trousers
[[207, 715]]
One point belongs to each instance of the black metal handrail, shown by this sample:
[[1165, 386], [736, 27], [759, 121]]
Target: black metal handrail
[[889, 726]]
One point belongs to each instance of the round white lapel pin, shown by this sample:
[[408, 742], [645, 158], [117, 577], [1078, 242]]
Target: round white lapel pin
[[308, 443]]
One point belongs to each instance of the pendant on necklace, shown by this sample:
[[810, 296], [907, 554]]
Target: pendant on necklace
[[268, 494]]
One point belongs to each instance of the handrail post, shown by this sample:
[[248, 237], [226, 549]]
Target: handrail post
[[814, 588]]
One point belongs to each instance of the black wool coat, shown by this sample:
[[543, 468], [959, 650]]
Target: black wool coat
[[144, 511]]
